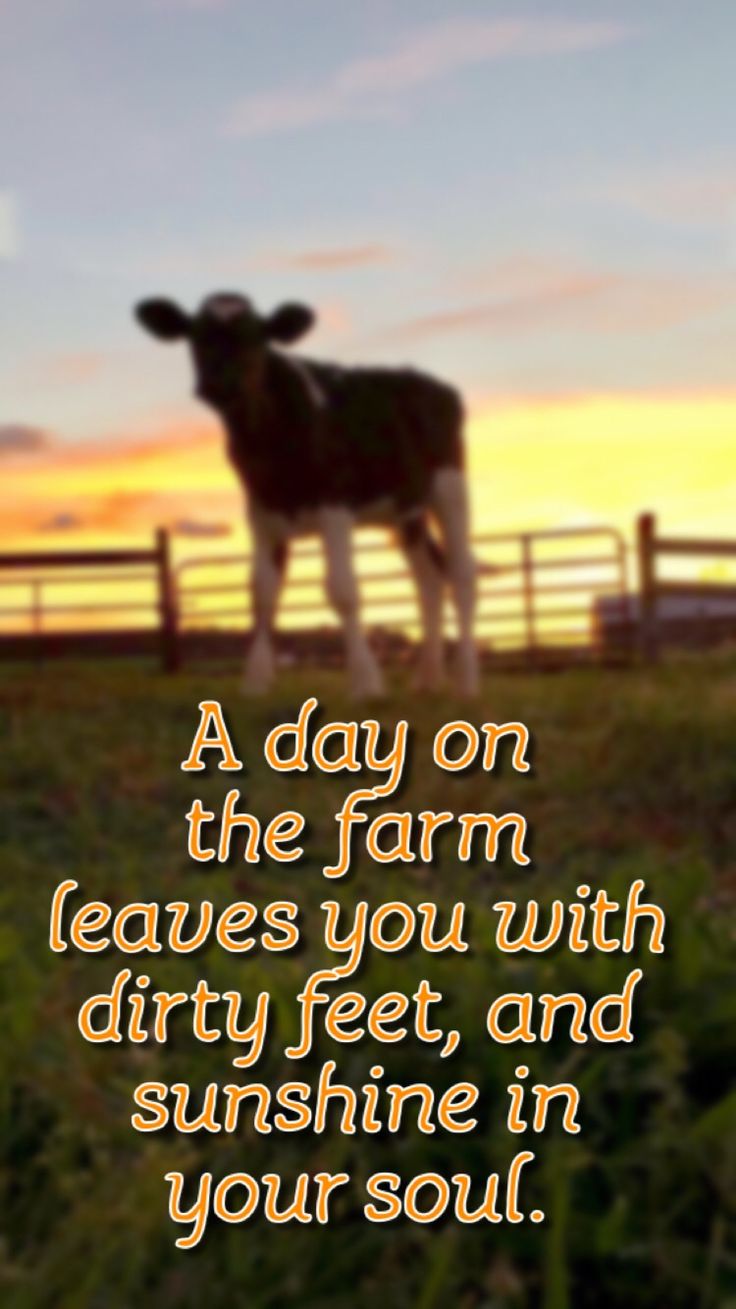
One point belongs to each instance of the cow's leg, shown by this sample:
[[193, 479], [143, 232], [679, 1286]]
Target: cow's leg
[[269, 560], [427, 565], [342, 592], [450, 501]]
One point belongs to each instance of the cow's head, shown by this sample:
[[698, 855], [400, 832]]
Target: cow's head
[[228, 338]]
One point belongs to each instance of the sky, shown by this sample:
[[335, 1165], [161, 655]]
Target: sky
[[536, 201]]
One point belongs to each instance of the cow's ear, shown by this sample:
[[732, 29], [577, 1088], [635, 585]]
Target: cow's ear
[[163, 319], [288, 323]]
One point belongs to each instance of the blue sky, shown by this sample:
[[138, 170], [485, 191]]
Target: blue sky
[[532, 199]]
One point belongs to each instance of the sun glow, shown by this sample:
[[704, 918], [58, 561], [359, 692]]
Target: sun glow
[[534, 463]]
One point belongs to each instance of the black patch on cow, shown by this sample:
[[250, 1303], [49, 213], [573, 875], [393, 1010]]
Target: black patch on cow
[[436, 552], [414, 532], [379, 433], [279, 552]]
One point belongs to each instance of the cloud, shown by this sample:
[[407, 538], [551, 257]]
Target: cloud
[[694, 194], [195, 5], [75, 367], [575, 299], [9, 225], [69, 368], [335, 257], [22, 439], [195, 527], [361, 88], [118, 491], [334, 317], [175, 440], [62, 522], [120, 487]]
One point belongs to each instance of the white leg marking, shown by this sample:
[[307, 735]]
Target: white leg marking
[[430, 590], [450, 502], [342, 592], [260, 664]]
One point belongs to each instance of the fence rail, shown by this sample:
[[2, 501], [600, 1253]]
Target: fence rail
[[42, 569], [541, 595], [536, 591], [517, 612]]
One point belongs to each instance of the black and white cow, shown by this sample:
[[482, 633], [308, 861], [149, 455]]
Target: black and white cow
[[320, 448]]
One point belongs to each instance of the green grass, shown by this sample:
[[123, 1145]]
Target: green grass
[[634, 776]]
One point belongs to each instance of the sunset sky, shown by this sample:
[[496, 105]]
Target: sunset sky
[[537, 201]]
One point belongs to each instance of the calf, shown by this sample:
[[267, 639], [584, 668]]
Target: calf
[[320, 448]]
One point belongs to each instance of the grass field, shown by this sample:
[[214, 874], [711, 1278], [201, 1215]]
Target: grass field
[[634, 776]]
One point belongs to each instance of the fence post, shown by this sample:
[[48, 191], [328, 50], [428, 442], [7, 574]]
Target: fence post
[[527, 579], [170, 651], [36, 606], [646, 548]]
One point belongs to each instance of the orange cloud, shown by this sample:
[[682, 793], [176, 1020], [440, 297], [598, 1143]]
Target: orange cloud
[[578, 300], [337, 257], [364, 87], [70, 367], [692, 193], [547, 460], [19, 440], [122, 487], [195, 527]]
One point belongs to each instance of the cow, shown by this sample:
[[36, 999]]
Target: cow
[[320, 448]]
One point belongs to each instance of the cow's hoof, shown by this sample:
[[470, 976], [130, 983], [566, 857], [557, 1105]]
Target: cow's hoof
[[256, 686], [428, 678], [375, 692], [469, 690], [367, 684], [466, 674], [257, 679], [422, 685], [258, 673]]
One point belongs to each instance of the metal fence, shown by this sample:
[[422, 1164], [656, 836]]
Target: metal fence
[[536, 591], [544, 598]]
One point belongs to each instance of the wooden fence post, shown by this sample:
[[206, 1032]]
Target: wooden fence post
[[170, 650], [648, 625], [527, 581]]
